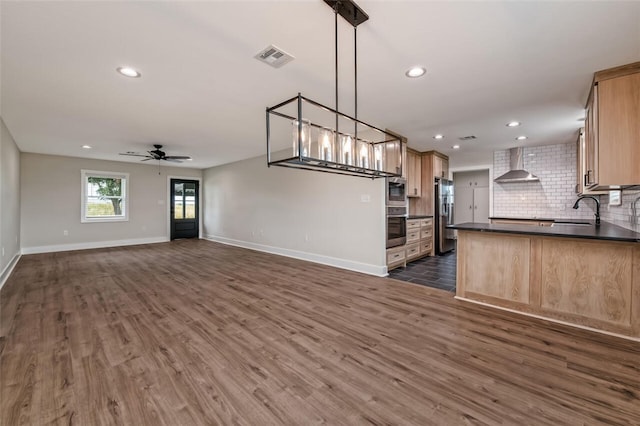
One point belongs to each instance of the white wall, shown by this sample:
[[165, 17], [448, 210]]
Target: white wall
[[552, 197], [50, 191], [304, 214], [9, 202]]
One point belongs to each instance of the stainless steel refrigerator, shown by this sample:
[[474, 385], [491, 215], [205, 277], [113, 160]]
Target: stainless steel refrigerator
[[443, 216]]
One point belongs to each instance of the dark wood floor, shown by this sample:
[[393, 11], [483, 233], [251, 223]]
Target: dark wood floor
[[197, 333]]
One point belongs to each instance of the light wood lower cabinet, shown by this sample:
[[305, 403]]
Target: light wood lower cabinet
[[412, 251], [591, 283], [419, 244], [426, 237], [423, 240], [396, 257]]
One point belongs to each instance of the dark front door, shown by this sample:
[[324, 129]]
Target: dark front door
[[184, 208]]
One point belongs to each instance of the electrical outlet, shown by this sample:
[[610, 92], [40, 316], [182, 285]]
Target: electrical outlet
[[2, 251], [306, 237], [365, 198], [65, 233]]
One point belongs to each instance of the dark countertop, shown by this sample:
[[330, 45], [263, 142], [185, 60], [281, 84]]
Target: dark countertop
[[542, 219], [424, 216], [606, 231]]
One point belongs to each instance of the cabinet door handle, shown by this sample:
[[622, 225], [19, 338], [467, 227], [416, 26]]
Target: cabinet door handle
[[586, 181], [470, 207]]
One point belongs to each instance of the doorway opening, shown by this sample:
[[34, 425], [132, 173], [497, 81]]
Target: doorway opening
[[184, 209], [472, 196]]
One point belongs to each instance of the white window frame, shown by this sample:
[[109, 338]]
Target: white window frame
[[85, 175]]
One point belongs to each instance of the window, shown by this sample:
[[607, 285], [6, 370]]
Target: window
[[104, 196]]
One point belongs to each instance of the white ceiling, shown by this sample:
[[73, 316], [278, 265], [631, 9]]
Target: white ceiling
[[202, 93]]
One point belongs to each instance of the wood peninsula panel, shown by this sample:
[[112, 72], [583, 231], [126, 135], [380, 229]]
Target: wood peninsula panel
[[506, 276], [585, 282], [591, 279]]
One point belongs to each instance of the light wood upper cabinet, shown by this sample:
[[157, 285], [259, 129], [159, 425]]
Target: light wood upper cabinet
[[414, 174], [432, 164], [612, 129], [440, 167], [590, 172], [581, 167]]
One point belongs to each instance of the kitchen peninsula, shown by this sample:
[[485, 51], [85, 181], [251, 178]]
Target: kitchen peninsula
[[579, 274]]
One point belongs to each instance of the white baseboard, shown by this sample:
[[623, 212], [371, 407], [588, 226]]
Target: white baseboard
[[379, 271], [9, 269], [93, 245]]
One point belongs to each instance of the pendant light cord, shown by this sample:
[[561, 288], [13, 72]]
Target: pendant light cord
[[335, 12], [355, 78]]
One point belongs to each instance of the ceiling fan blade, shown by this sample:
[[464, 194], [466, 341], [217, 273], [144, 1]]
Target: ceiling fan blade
[[134, 154], [147, 159], [173, 160], [177, 157]]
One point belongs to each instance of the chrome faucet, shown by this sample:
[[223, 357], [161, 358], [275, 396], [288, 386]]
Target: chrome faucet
[[575, 206]]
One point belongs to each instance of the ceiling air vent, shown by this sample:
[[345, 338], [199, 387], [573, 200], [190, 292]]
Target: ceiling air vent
[[274, 56], [468, 138]]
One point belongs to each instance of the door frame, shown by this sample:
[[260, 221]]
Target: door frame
[[168, 203]]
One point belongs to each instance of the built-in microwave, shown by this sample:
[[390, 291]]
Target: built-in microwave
[[396, 192]]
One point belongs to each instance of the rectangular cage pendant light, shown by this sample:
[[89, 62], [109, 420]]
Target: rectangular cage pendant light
[[305, 134], [301, 134]]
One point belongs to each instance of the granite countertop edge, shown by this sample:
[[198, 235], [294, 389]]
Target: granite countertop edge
[[541, 219], [606, 231]]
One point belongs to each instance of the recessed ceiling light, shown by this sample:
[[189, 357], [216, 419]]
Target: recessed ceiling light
[[521, 138], [513, 124], [129, 72], [86, 146], [456, 147], [415, 72], [438, 136]]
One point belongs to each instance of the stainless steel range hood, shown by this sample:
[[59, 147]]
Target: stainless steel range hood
[[517, 172]]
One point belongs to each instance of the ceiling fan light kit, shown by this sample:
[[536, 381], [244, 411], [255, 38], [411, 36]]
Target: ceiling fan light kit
[[304, 134]]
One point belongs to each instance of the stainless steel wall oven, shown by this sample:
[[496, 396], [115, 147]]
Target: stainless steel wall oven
[[396, 205], [396, 229]]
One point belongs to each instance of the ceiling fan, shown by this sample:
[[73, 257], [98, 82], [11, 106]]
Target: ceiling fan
[[157, 154]]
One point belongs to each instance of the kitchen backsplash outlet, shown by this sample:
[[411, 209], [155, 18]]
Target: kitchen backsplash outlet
[[552, 197], [621, 215]]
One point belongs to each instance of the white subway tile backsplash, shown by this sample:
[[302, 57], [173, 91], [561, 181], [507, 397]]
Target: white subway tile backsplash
[[554, 195]]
